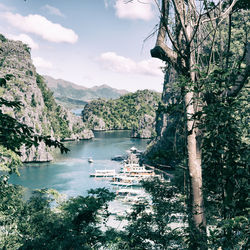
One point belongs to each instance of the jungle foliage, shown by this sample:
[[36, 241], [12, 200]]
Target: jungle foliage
[[122, 113], [33, 224]]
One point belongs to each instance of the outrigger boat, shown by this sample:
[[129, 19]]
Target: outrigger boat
[[104, 173], [137, 170], [124, 180], [129, 195]]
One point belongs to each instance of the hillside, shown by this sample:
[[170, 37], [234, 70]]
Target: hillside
[[74, 96], [135, 111], [40, 111]]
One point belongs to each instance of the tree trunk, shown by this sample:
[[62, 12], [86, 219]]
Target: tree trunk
[[187, 27], [197, 220]]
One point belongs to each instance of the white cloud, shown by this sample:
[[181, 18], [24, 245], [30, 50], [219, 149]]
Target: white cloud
[[53, 10], [41, 26], [113, 62], [25, 39], [39, 62], [150, 67], [134, 10], [4, 7]]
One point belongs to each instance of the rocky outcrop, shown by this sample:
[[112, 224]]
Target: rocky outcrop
[[146, 128], [98, 124], [36, 154], [76, 126], [39, 110]]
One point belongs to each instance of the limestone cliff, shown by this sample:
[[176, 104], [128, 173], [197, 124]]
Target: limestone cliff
[[167, 146], [39, 110], [145, 129]]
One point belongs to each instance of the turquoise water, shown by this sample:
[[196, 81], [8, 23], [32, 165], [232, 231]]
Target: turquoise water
[[69, 173]]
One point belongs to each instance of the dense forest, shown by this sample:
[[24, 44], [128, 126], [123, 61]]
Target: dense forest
[[202, 127], [122, 113]]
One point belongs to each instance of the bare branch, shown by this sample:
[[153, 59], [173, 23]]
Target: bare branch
[[165, 23], [195, 29], [180, 17], [223, 15], [211, 52], [229, 38], [208, 34], [241, 78]]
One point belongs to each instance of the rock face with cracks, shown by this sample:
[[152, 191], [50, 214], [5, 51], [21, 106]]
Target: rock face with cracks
[[168, 127], [39, 110], [146, 128]]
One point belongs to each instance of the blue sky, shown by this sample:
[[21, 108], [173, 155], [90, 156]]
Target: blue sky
[[88, 42]]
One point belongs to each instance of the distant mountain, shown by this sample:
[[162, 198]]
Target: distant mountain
[[74, 96]]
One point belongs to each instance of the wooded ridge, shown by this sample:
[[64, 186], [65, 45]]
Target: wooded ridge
[[135, 111]]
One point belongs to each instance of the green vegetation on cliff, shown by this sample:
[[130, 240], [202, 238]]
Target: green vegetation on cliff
[[122, 113], [59, 124], [37, 107]]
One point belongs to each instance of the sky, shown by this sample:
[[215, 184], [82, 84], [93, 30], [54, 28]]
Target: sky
[[88, 42]]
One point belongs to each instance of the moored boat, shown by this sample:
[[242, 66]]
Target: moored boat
[[103, 173], [90, 160], [125, 180], [136, 169], [133, 149], [129, 195]]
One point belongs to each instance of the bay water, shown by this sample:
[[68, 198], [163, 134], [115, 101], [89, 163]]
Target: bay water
[[69, 173]]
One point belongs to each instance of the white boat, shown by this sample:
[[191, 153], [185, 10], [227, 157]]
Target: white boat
[[137, 170], [124, 180], [103, 173], [125, 191], [133, 149], [90, 160], [129, 195]]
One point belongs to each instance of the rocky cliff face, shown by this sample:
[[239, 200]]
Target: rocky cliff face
[[146, 128], [167, 146], [39, 110]]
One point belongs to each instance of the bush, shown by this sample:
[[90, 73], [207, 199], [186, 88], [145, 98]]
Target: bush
[[3, 38], [33, 101]]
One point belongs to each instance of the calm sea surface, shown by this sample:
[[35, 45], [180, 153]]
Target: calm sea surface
[[69, 173]]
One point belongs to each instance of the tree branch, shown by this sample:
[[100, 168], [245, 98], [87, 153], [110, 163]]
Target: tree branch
[[241, 78], [195, 29], [180, 17], [223, 15], [165, 22], [161, 49], [229, 38]]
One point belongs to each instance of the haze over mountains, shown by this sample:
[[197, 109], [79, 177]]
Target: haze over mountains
[[74, 96]]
